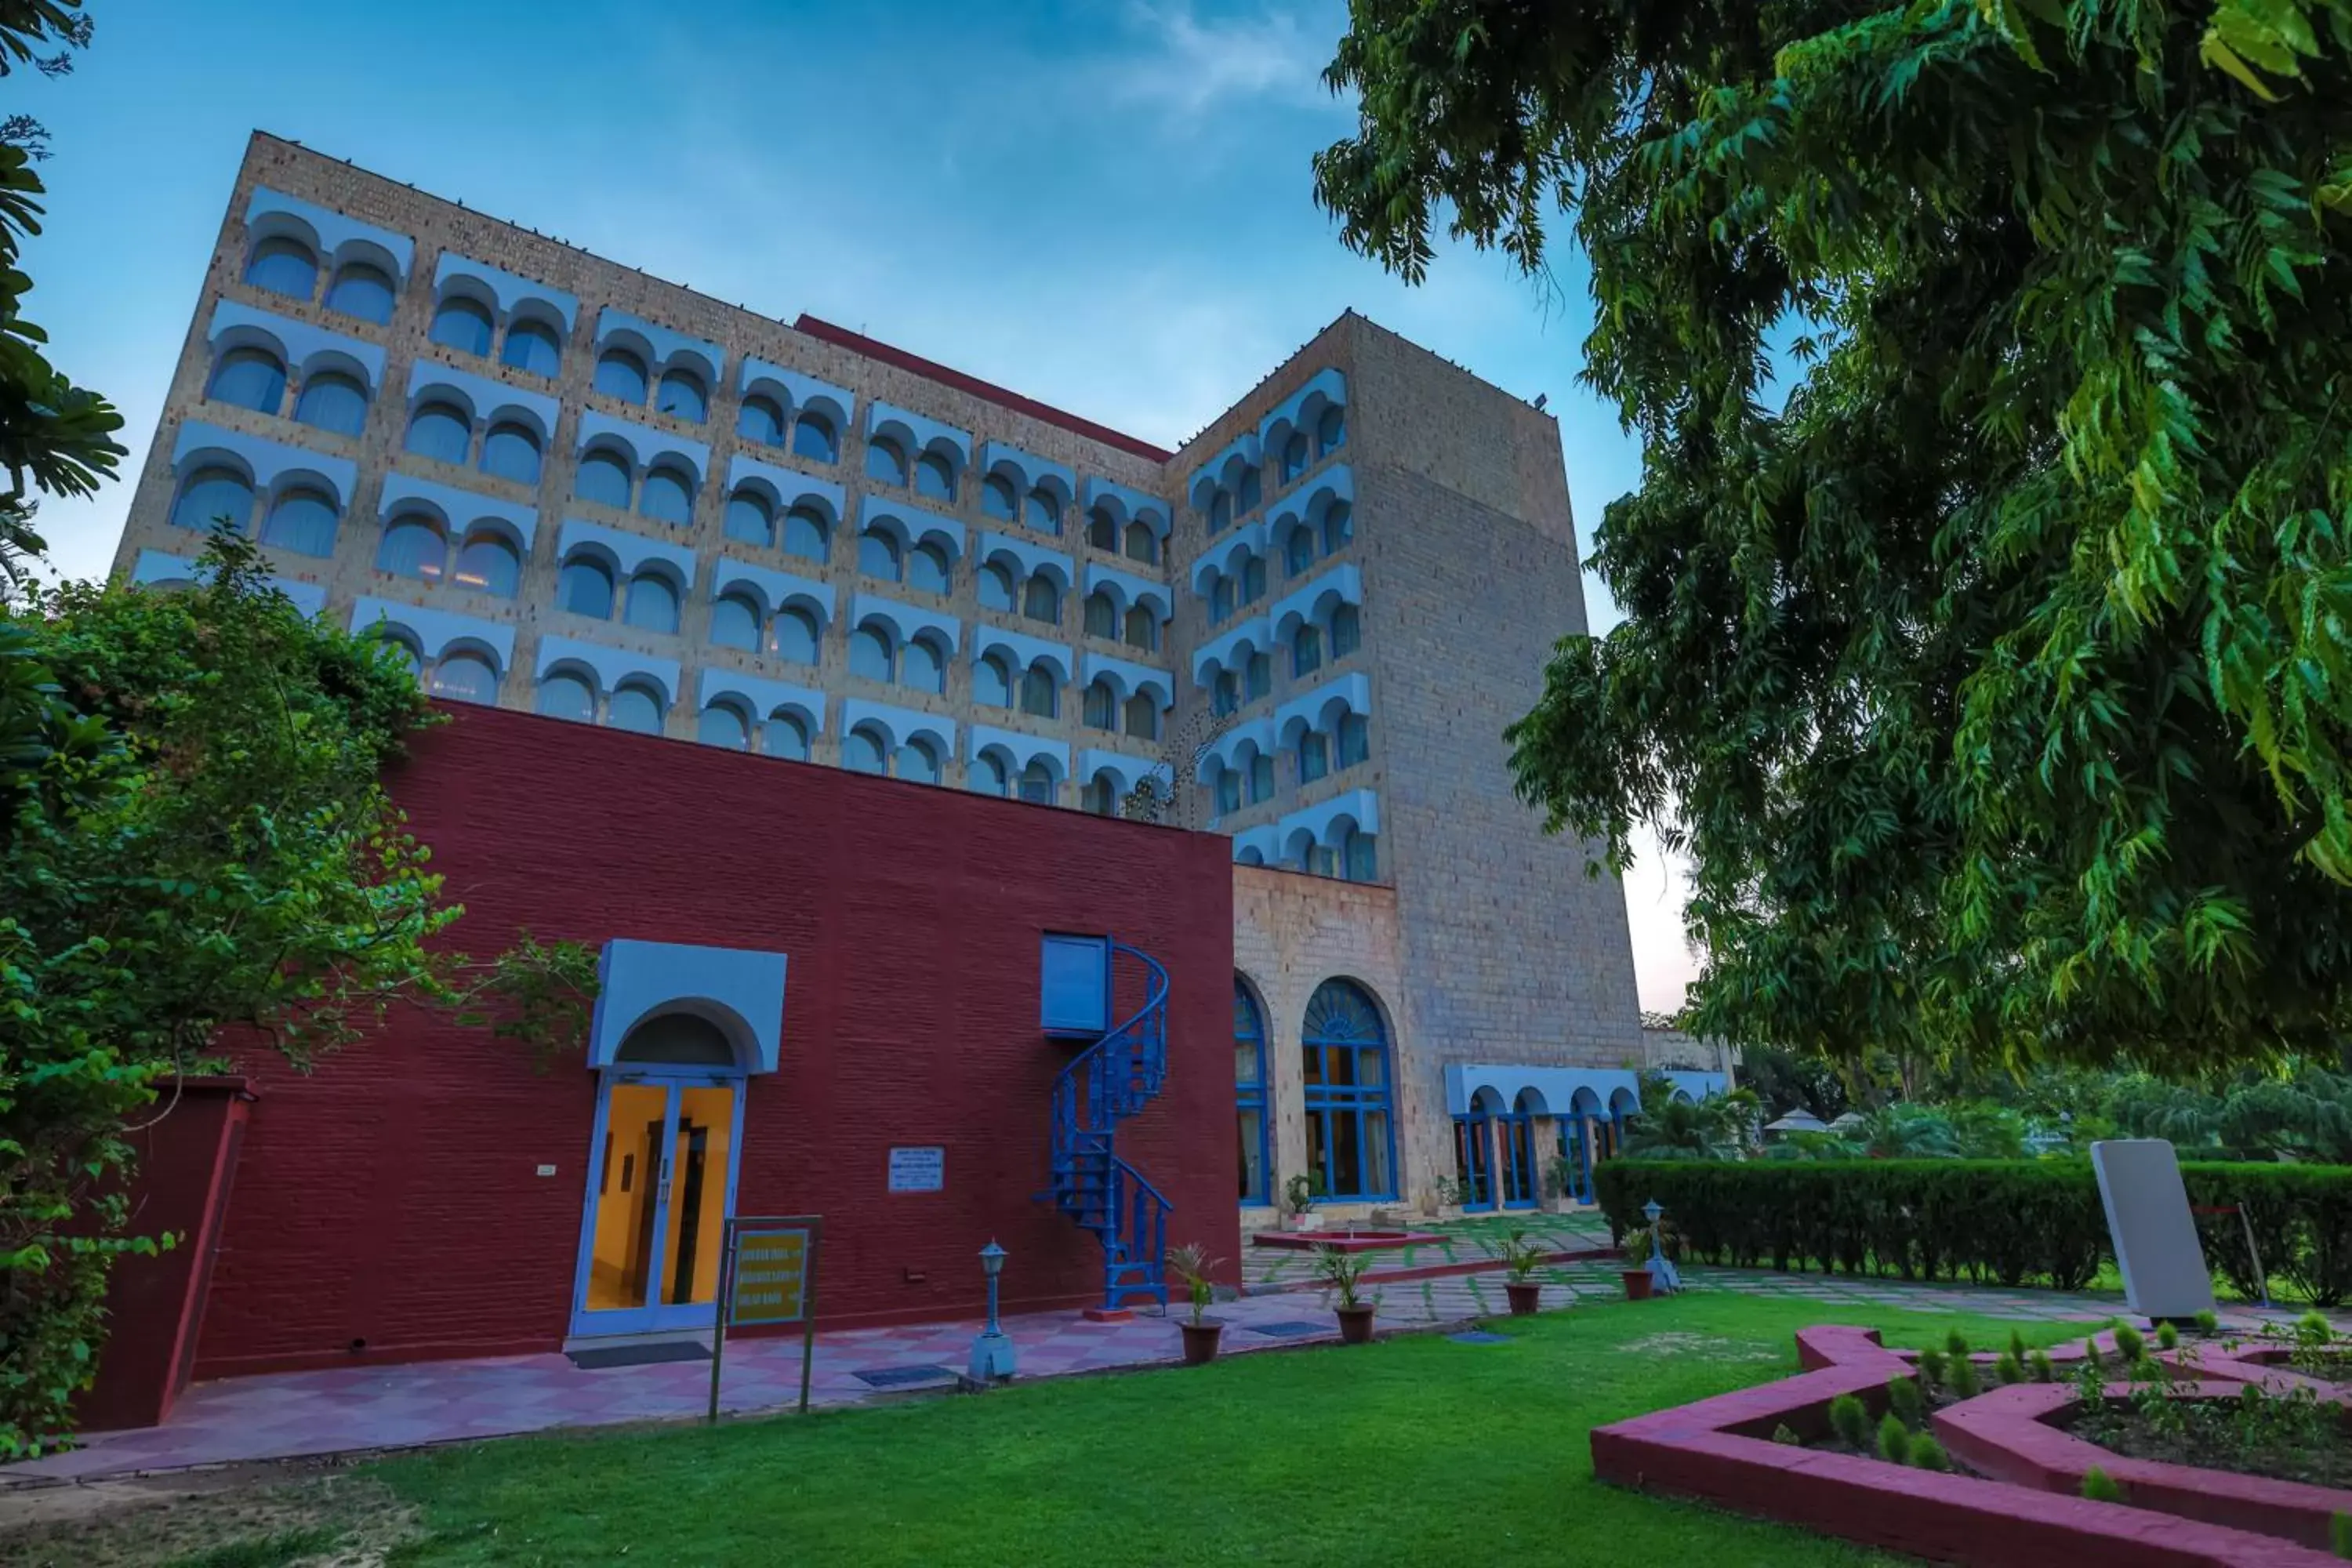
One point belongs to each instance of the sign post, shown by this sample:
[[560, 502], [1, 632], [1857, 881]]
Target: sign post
[[2155, 1236], [767, 1275]]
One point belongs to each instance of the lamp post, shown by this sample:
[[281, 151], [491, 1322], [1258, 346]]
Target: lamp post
[[991, 1351]]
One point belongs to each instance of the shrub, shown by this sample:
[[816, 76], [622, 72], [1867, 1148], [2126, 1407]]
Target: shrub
[[1906, 1401], [2339, 1534], [1894, 1439], [2130, 1346], [2008, 1369], [2042, 1367], [1931, 1368], [2100, 1487], [1850, 1421], [2017, 1345], [1927, 1453], [1962, 1374], [1956, 1343], [1783, 1434]]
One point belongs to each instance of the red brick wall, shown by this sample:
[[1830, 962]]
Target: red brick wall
[[390, 1197]]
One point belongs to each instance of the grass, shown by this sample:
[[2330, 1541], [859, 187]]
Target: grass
[[1415, 1450], [287, 1546]]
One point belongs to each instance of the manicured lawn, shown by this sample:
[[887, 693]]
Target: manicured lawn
[[1415, 1450]]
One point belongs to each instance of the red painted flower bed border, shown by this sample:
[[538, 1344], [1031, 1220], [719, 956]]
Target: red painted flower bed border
[[1721, 1450], [1343, 1240]]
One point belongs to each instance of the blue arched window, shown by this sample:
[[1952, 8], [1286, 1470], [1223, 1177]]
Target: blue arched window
[[1040, 600], [785, 736], [488, 565], [510, 451], [1043, 511], [1350, 1139], [532, 345], [586, 589], [813, 436], [877, 555], [668, 495], [735, 622], [464, 677], [992, 682], [602, 477], [653, 603], [806, 532], [1252, 489], [1299, 551], [721, 725], [635, 706], [1522, 1189], [248, 378], [621, 375], [1305, 651], [283, 266], [1331, 431], [749, 517], [794, 631], [927, 568], [986, 776], [1338, 526], [567, 697], [869, 654], [996, 497], [682, 396], [363, 291], [334, 402], [1359, 857], [861, 751], [1294, 456], [440, 431], [1347, 630], [934, 476], [1250, 1096], [412, 546], [301, 521], [1041, 692], [923, 668], [1221, 511], [918, 763], [1355, 738], [463, 324], [1314, 756], [995, 585], [1142, 544], [761, 420], [1473, 1158], [1037, 784], [884, 461]]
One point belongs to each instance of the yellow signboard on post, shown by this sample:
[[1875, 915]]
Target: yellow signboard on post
[[767, 1276]]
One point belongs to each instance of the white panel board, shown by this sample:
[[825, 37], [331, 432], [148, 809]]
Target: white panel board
[[2164, 1269]]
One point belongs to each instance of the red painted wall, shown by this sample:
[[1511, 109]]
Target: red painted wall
[[390, 1197]]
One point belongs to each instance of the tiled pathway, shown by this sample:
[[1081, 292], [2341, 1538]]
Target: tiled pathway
[[295, 1413]]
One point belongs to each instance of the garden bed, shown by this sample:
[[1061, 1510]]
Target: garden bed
[[1343, 1240], [2272, 1437]]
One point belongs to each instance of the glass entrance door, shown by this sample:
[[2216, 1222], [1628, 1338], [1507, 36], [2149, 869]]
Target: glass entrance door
[[661, 1185]]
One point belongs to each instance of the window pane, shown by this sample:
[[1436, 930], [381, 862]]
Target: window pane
[[465, 678], [248, 378], [878, 556], [283, 267], [652, 603], [1305, 651], [464, 325], [1338, 526], [934, 478], [996, 497], [986, 775], [917, 764], [995, 588], [1102, 529], [869, 654], [1142, 544], [602, 478], [804, 532], [361, 291], [1039, 694], [1261, 778], [795, 635], [921, 667], [785, 736], [1253, 579], [215, 497], [622, 374], [1037, 785], [533, 346], [722, 726], [885, 462], [813, 437], [1252, 490], [1355, 740], [749, 519], [1331, 430], [567, 697], [861, 752], [586, 589], [1363, 858], [411, 547], [634, 708], [1100, 706], [1299, 551], [668, 497], [1253, 1154], [1347, 630], [440, 431], [487, 564], [1042, 601], [1044, 511], [992, 683], [301, 521], [1229, 790], [1221, 599], [735, 623], [1260, 676], [332, 402], [682, 398], [761, 420], [927, 568], [1142, 628], [511, 452], [1143, 716], [1102, 615], [1221, 511], [1314, 758]]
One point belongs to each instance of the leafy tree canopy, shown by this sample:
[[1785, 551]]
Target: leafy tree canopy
[[1996, 681]]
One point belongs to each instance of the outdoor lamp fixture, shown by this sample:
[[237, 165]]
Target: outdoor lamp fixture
[[991, 1352]]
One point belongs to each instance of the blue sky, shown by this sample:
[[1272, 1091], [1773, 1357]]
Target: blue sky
[[1105, 205]]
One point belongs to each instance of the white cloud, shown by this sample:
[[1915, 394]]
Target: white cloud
[[1193, 64]]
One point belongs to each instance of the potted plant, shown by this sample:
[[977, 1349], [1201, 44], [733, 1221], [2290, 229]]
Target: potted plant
[[1564, 1174], [1341, 1275], [1192, 1263], [1636, 1246], [1521, 1256], [1299, 1195]]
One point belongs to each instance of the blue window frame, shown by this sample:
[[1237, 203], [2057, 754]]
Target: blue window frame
[[1520, 1187], [1350, 1131], [1073, 984], [602, 477], [621, 375], [332, 402], [533, 346], [806, 532], [249, 378], [302, 521], [440, 431], [681, 397], [283, 266], [813, 437], [363, 291], [1260, 675], [1250, 1097], [1473, 1162], [1576, 1147], [463, 324], [510, 451], [761, 419]]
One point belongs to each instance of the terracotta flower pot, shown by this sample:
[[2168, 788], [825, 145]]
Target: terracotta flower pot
[[1527, 1296], [1355, 1325], [1638, 1284], [1201, 1341]]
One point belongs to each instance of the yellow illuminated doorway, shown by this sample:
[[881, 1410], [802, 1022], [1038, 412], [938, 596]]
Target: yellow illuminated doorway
[[661, 1185]]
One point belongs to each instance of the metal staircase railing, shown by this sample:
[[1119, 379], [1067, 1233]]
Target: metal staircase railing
[[1104, 1085]]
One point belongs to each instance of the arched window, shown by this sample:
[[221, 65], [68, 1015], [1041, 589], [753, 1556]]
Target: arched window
[[1102, 615], [749, 517], [440, 431], [283, 266], [995, 588], [1101, 709], [1229, 790], [934, 476], [248, 378], [923, 666], [1331, 431], [806, 532], [1142, 717], [1360, 858], [761, 419], [621, 375], [1249, 1096], [602, 477], [363, 291], [927, 568], [784, 735], [1261, 778], [1102, 529], [1142, 629], [1040, 600], [794, 632], [510, 451], [861, 751], [1346, 1063], [532, 345], [1037, 784], [877, 555], [918, 762], [992, 682], [464, 677], [412, 546], [1355, 738], [652, 603], [721, 725], [1347, 630], [996, 497], [813, 436], [301, 521], [1294, 456], [668, 495], [869, 654], [586, 589], [1305, 651], [1338, 526], [884, 460], [986, 776], [1041, 694], [1221, 600], [735, 622], [1043, 511], [1298, 550], [1142, 544], [334, 402], [1226, 695], [635, 706], [1314, 756], [1252, 489], [487, 564], [681, 397], [463, 324], [1258, 682], [566, 697], [1100, 796], [1252, 579], [1221, 511]]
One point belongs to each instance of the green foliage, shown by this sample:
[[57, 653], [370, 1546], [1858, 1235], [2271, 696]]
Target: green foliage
[[2166, 1337], [1521, 1254], [1192, 1266], [1961, 1374], [1341, 1275], [1894, 1439], [1905, 1403], [1931, 1368], [2208, 1321], [1927, 1453], [1990, 668], [1851, 1422], [2042, 1367], [2006, 1369], [2130, 1346], [1300, 1193], [2339, 1533], [2099, 1487], [2017, 1343], [1782, 1435]]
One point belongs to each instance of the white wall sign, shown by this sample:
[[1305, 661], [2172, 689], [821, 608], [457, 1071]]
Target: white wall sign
[[2164, 1269], [917, 1170]]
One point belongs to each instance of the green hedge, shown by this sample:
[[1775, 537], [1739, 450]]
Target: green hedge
[[2010, 1221]]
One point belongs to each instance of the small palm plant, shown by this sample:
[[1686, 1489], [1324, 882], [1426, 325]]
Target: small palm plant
[[1192, 1263], [1521, 1256]]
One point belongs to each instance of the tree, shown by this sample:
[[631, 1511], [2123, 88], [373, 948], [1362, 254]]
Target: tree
[[1995, 682]]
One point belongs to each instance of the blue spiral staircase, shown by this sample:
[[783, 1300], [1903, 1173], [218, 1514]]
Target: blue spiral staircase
[[1104, 1085]]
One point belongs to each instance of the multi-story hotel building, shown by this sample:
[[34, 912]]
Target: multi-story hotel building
[[564, 487]]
